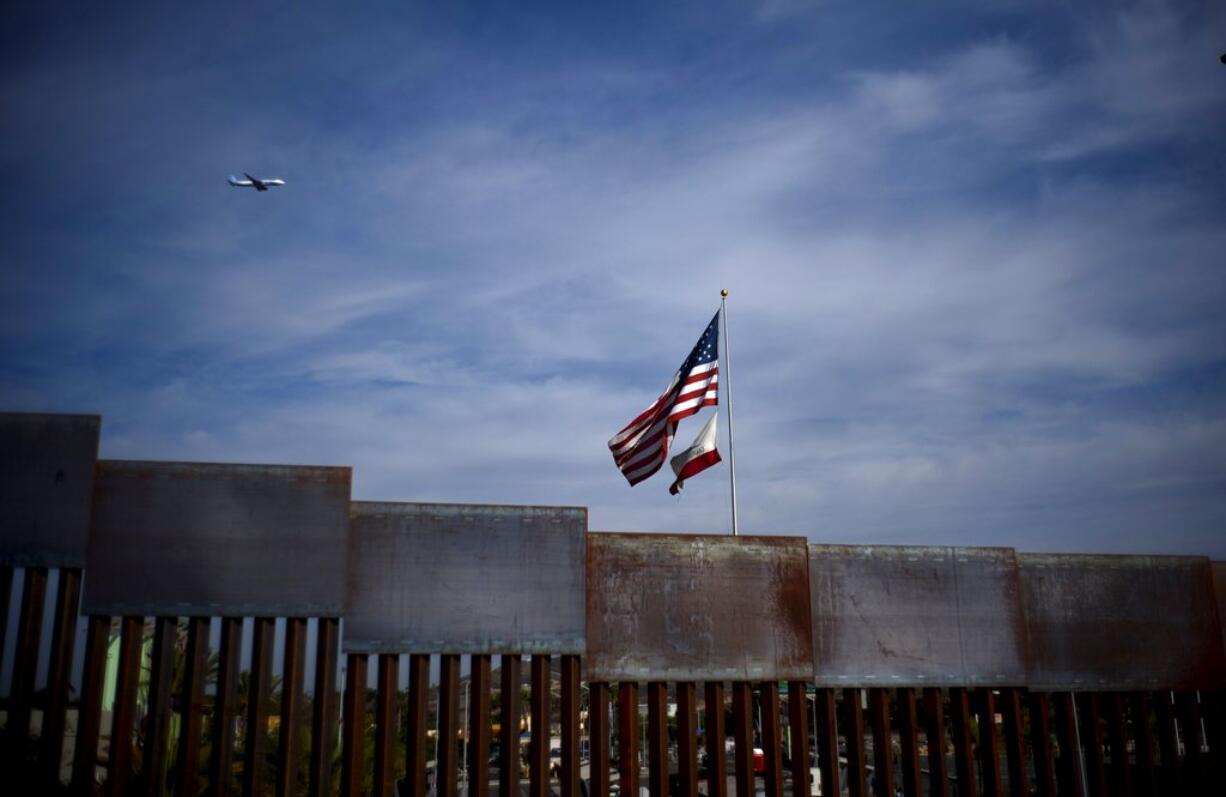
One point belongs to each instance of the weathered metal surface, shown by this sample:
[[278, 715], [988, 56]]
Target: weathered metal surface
[[1168, 743], [1142, 707], [259, 695], [771, 730], [657, 739], [964, 742], [1215, 734], [743, 738], [85, 754], [1101, 622], [687, 740], [172, 538], [1040, 744], [916, 616], [713, 743], [46, 480], [225, 708], [448, 726], [1091, 734], [539, 715], [290, 729], [598, 729], [187, 778], [479, 723], [988, 743], [1069, 774], [454, 578], [353, 726], [569, 773], [1119, 770], [508, 731], [59, 673], [628, 737], [909, 770], [155, 746], [415, 730], [798, 730], [826, 736], [853, 733], [934, 730], [1219, 592], [883, 748], [25, 661], [6, 594], [675, 607], [386, 724], [1015, 741], [323, 718], [123, 718], [1191, 726]]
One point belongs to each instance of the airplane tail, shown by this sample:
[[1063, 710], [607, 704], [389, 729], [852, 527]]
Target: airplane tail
[[234, 180]]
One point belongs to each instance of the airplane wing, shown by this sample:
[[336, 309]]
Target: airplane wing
[[255, 182]]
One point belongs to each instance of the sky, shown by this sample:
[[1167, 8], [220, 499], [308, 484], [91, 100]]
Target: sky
[[974, 253]]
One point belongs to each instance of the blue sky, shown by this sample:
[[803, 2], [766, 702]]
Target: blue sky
[[974, 253]]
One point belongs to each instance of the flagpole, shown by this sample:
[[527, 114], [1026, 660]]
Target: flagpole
[[723, 309]]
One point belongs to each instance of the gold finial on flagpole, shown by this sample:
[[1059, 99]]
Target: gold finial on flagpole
[[723, 292]]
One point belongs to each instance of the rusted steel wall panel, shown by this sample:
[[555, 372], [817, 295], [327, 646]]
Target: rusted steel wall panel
[[916, 616], [46, 480], [1102, 622], [172, 538], [676, 607], [455, 578]]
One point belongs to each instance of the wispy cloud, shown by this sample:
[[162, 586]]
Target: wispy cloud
[[975, 286]]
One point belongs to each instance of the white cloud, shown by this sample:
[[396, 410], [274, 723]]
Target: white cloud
[[948, 324]]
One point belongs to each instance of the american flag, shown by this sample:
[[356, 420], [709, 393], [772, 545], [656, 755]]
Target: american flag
[[641, 448]]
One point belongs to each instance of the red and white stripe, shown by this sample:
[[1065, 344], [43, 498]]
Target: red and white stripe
[[641, 448], [701, 455]]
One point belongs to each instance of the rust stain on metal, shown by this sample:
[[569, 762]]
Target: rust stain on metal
[[46, 480], [916, 616], [1103, 622], [199, 539], [677, 607], [465, 578]]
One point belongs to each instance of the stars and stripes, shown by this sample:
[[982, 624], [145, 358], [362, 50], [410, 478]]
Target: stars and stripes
[[641, 448]]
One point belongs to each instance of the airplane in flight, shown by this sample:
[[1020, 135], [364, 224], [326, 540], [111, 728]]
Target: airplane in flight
[[254, 182]]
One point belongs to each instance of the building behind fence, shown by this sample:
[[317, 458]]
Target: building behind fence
[[515, 652]]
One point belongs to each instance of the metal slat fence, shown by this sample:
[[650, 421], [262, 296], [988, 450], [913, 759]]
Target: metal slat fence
[[186, 628], [182, 720]]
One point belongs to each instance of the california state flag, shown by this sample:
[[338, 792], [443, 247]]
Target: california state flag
[[698, 457]]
